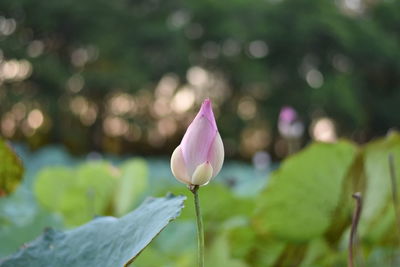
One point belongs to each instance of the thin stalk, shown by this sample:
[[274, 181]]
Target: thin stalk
[[353, 231], [200, 229], [394, 191]]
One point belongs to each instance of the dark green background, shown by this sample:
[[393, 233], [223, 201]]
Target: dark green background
[[136, 46]]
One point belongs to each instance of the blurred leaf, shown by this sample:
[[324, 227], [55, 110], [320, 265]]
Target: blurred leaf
[[11, 169], [316, 249], [241, 240], [150, 257], [383, 256], [21, 220], [180, 237], [304, 192], [102, 242], [219, 254], [153, 257], [78, 194], [131, 185], [266, 252], [218, 203], [378, 213]]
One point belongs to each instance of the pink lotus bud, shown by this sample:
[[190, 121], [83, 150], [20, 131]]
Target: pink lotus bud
[[200, 155]]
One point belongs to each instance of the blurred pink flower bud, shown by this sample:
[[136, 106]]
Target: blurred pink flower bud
[[289, 125], [200, 155], [287, 115]]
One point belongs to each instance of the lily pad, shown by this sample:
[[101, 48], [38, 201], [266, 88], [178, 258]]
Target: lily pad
[[105, 241], [300, 201], [77, 193], [131, 185], [378, 217]]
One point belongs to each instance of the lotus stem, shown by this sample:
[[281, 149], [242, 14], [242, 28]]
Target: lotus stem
[[200, 229]]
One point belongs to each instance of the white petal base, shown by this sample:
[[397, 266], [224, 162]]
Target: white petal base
[[202, 174], [178, 166]]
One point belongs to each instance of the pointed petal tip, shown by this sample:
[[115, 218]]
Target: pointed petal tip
[[206, 106], [206, 110]]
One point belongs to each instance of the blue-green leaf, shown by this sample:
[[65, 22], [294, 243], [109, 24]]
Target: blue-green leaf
[[106, 241]]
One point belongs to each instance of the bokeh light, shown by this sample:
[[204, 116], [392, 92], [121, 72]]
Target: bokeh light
[[323, 129]]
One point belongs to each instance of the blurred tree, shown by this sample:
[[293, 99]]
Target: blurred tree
[[321, 57]]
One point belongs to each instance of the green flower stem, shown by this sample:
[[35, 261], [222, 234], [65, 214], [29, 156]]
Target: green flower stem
[[200, 229]]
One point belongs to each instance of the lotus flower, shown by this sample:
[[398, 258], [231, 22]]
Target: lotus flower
[[200, 155]]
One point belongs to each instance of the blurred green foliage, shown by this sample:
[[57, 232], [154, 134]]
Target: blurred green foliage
[[301, 217], [379, 214], [11, 169], [91, 187], [271, 53], [22, 220], [131, 185], [314, 206]]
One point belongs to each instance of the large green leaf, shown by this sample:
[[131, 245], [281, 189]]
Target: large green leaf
[[78, 194], [105, 241], [11, 169], [378, 213], [131, 185], [300, 201]]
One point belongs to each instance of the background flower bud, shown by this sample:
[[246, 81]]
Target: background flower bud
[[289, 124], [200, 155]]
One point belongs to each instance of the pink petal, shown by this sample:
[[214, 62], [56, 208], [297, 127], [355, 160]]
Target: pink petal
[[199, 137], [216, 155], [207, 112]]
